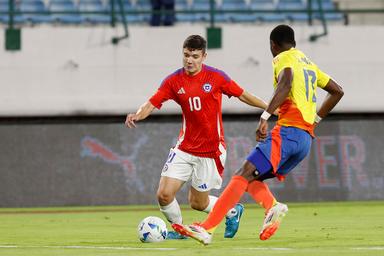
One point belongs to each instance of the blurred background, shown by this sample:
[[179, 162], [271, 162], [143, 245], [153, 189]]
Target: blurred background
[[72, 69]]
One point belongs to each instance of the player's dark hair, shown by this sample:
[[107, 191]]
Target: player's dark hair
[[195, 42], [283, 34]]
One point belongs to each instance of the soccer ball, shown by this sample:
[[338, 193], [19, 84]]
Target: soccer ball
[[152, 230]]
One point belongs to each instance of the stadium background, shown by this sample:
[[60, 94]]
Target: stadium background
[[65, 93]]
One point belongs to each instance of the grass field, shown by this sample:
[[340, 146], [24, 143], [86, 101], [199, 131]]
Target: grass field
[[354, 228]]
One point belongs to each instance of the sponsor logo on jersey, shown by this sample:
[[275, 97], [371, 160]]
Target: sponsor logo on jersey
[[181, 91], [207, 88]]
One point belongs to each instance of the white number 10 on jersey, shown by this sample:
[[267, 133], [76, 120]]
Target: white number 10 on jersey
[[194, 103]]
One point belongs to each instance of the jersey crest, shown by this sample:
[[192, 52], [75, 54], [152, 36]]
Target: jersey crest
[[207, 88]]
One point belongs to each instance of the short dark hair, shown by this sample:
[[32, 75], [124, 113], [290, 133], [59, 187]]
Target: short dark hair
[[283, 34], [195, 42]]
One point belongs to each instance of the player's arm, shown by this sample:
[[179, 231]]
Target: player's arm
[[163, 94], [252, 100], [335, 93], [284, 85], [143, 112]]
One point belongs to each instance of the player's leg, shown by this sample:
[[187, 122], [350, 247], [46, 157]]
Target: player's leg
[[211, 171], [270, 154], [256, 188], [166, 192], [176, 172], [227, 200], [199, 200], [294, 146], [276, 212], [232, 218], [202, 201], [237, 186], [207, 175], [230, 196]]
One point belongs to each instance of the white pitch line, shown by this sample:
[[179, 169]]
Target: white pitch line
[[379, 248], [88, 247]]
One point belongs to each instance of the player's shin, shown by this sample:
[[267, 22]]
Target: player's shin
[[261, 194], [172, 212], [212, 202]]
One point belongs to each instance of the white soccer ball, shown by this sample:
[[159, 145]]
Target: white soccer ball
[[152, 230]]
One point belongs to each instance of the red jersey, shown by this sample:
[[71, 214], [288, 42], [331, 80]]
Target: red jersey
[[199, 96]]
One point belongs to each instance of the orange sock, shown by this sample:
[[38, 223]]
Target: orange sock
[[227, 200], [261, 194]]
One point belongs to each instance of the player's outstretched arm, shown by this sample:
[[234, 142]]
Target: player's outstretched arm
[[335, 93], [252, 100], [143, 112]]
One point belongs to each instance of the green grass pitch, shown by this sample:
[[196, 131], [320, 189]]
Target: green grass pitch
[[338, 228]]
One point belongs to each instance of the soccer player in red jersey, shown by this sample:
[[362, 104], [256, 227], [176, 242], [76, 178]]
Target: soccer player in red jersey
[[200, 152]]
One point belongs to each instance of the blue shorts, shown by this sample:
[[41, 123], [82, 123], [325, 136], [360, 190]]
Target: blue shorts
[[284, 148]]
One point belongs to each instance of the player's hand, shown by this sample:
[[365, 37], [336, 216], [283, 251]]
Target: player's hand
[[130, 120], [262, 130]]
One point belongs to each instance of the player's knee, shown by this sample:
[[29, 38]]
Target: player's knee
[[164, 198], [247, 170]]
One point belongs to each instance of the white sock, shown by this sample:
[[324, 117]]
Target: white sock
[[172, 212], [212, 201]]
